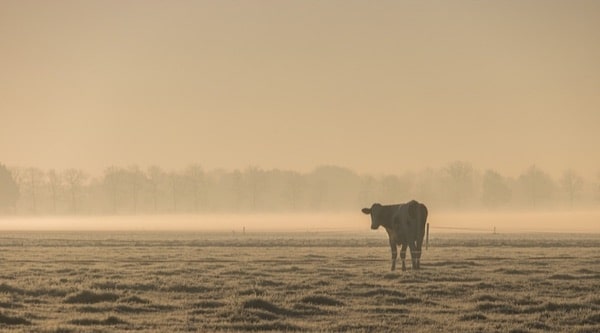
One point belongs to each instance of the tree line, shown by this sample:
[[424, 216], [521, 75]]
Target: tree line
[[154, 190]]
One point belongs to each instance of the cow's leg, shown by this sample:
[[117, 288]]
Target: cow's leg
[[418, 254], [413, 254], [403, 256], [394, 253]]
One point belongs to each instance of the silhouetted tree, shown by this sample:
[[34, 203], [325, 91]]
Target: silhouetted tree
[[460, 176], [334, 187], [496, 191], [366, 193], [425, 188], [195, 179], [395, 189], [572, 184], [54, 185], [255, 181], [9, 190], [33, 179], [112, 183], [293, 189], [74, 179], [537, 184], [234, 181], [156, 177], [177, 183], [136, 179]]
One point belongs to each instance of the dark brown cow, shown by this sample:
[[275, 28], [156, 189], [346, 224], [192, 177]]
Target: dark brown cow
[[405, 225]]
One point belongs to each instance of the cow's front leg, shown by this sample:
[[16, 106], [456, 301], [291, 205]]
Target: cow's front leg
[[394, 253], [403, 256]]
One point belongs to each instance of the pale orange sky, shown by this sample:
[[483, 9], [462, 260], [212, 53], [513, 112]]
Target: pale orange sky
[[377, 86]]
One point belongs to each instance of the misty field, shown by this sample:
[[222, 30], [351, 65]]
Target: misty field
[[160, 282]]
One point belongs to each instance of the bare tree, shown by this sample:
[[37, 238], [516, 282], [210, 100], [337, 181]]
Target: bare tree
[[112, 182], [54, 184], [496, 191], [293, 188], [195, 177], [237, 189], [366, 192], [156, 176], [395, 189], [255, 182], [460, 181], [572, 184], [9, 189], [334, 187], [74, 180], [136, 180], [34, 179], [176, 181], [537, 184]]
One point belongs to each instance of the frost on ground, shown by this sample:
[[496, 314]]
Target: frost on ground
[[74, 282]]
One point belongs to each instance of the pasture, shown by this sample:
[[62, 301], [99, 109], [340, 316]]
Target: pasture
[[329, 282]]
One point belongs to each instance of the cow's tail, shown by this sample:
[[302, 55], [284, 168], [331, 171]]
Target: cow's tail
[[424, 213], [422, 225]]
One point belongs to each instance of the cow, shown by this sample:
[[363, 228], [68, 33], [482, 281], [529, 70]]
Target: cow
[[405, 225]]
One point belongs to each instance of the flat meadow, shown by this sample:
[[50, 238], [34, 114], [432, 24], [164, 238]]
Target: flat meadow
[[296, 281]]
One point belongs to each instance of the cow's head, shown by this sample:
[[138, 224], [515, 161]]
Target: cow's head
[[374, 212]]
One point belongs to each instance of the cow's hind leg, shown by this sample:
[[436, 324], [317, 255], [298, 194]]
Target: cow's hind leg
[[403, 256], [413, 255], [418, 254], [417, 259], [394, 254]]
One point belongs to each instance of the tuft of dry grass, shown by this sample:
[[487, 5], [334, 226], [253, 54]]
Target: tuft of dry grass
[[89, 297], [8, 289], [109, 321], [321, 300], [264, 305], [12, 320]]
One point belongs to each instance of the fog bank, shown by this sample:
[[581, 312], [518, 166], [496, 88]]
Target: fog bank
[[443, 222]]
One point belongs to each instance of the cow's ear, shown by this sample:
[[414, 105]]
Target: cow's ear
[[366, 210]]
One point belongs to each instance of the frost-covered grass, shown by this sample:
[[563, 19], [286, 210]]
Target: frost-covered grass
[[294, 282]]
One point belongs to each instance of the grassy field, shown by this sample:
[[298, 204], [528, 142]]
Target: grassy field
[[83, 281]]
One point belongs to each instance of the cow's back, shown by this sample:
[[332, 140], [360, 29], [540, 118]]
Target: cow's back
[[409, 222], [402, 224]]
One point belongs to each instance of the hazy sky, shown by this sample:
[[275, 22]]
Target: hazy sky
[[377, 86]]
